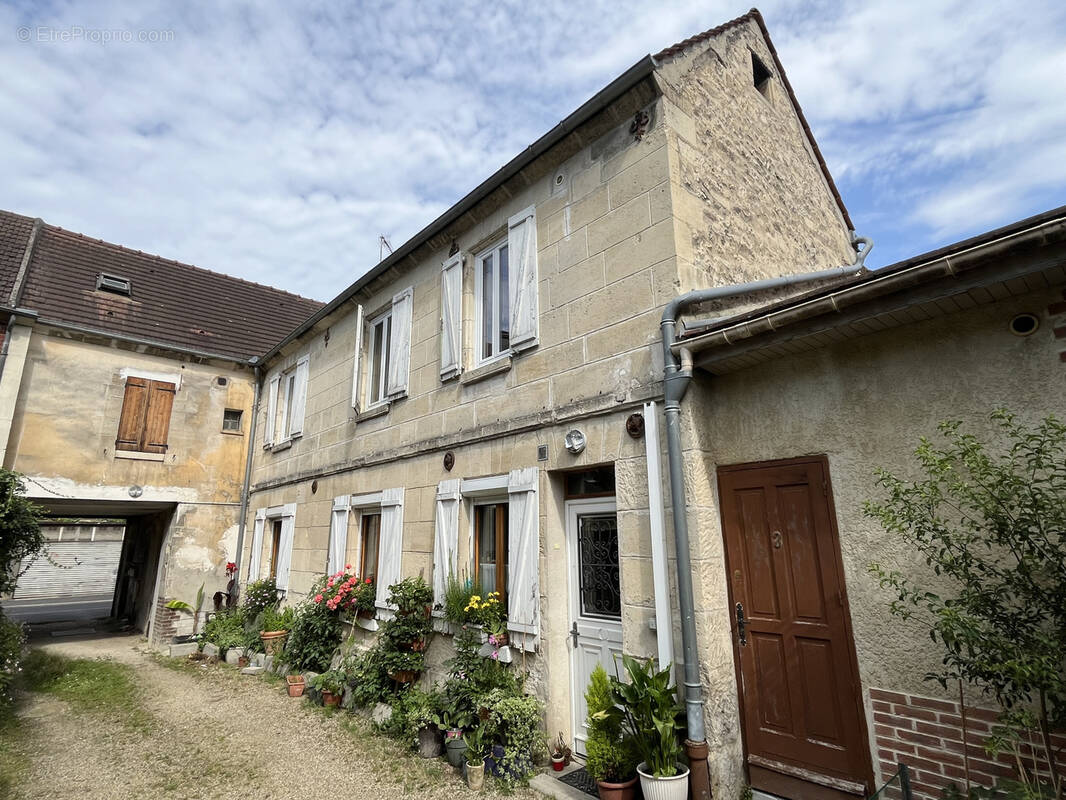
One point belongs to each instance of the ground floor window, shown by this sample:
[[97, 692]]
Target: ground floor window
[[370, 538], [490, 548], [275, 546]]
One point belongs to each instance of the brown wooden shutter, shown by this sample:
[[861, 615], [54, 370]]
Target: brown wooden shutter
[[134, 409], [157, 420]]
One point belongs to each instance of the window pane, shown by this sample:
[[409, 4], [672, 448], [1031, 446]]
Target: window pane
[[505, 310], [371, 536], [375, 363], [386, 347], [597, 556], [486, 555], [488, 338]]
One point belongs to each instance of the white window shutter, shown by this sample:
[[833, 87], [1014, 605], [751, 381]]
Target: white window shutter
[[272, 410], [451, 317], [522, 265], [523, 556], [288, 527], [445, 537], [357, 359], [299, 398], [338, 535], [256, 554], [390, 546], [400, 357]]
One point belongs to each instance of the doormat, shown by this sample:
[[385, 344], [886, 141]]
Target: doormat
[[581, 780]]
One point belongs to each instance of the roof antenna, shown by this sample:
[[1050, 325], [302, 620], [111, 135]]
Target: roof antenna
[[383, 244]]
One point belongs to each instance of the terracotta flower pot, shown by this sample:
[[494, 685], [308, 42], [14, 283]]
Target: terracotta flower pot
[[330, 699], [502, 639], [243, 661], [418, 645], [405, 675], [617, 791], [273, 641], [296, 685]]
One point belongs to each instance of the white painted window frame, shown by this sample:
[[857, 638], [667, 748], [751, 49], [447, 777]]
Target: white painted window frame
[[479, 293], [287, 514], [381, 319]]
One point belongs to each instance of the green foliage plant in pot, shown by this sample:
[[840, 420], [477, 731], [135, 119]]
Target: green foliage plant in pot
[[425, 721], [611, 755], [475, 758], [411, 596], [276, 625], [650, 713], [330, 685], [189, 608]]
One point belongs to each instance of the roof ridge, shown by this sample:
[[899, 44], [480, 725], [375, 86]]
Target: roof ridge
[[175, 262], [684, 44]]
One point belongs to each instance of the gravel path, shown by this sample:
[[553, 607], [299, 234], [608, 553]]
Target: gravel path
[[215, 734]]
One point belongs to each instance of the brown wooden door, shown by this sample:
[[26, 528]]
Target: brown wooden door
[[800, 701]]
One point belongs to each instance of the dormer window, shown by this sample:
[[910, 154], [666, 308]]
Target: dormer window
[[114, 284], [760, 76]]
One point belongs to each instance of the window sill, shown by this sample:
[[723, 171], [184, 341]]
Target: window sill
[[233, 433], [134, 455], [277, 448], [497, 367], [373, 413]]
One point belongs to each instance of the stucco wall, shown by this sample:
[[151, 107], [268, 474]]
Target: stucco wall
[[863, 403], [63, 438]]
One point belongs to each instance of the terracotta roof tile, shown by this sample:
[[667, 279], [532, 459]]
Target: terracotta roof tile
[[170, 302], [14, 236]]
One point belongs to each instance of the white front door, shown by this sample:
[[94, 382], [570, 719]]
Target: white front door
[[595, 600]]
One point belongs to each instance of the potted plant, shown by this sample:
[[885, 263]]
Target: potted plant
[[611, 755], [188, 608], [296, 685], [276, 625], [489, 613], [453, 718], [403, 667], [411, 596], [475, 758], [649, 712], [426, 721], [330, 686], [560, 753]]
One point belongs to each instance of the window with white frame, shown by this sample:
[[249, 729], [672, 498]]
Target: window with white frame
[[374, 546], [271, 545], [378, 359], [381, 364], [504, 550], [286, 403], [492, 291]]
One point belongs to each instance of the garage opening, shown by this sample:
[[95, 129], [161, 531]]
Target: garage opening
[[98, 570]]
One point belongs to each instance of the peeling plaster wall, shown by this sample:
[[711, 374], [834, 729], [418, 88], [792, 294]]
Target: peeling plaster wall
[[864, 403], [63, 438]]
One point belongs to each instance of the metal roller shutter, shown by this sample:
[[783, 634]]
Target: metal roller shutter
[[93, 569]]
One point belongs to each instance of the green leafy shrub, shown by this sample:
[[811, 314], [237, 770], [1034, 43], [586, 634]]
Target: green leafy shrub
[[313, 638], [610, 756], [514, 720], [20, 532], [226, 629], [411, 595], [366, 675], [260, 595], [12, 639], [275, 620]]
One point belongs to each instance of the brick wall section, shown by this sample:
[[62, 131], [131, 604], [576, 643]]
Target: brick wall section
[[926, 734], [166, 621], [1057, 313]]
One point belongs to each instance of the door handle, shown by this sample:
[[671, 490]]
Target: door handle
[[742, 625], [573, 634]]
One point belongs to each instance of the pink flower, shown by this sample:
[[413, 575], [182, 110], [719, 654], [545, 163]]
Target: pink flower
[[369, 580], [495, 655], [329, 583], [347, 566], [318, 598]]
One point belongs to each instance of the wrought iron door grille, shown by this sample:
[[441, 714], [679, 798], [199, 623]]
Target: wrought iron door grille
[[597, 547]]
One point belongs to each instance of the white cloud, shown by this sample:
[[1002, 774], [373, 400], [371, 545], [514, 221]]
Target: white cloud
[[275, 141]]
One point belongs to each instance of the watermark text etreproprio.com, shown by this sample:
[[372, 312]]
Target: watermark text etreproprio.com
[[77, 33]]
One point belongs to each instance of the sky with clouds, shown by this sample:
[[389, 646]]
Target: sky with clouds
[[276, 140]]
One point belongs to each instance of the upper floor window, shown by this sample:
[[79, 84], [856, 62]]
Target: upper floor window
[[286, 403], [493, 302], [145, 420], [378, 368], [382, 360]]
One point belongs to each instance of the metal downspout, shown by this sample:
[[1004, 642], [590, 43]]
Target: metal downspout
[[246, 486], [677, 376]]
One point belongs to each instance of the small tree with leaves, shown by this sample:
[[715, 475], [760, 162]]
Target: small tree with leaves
[[20, 531], [991, 522]]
